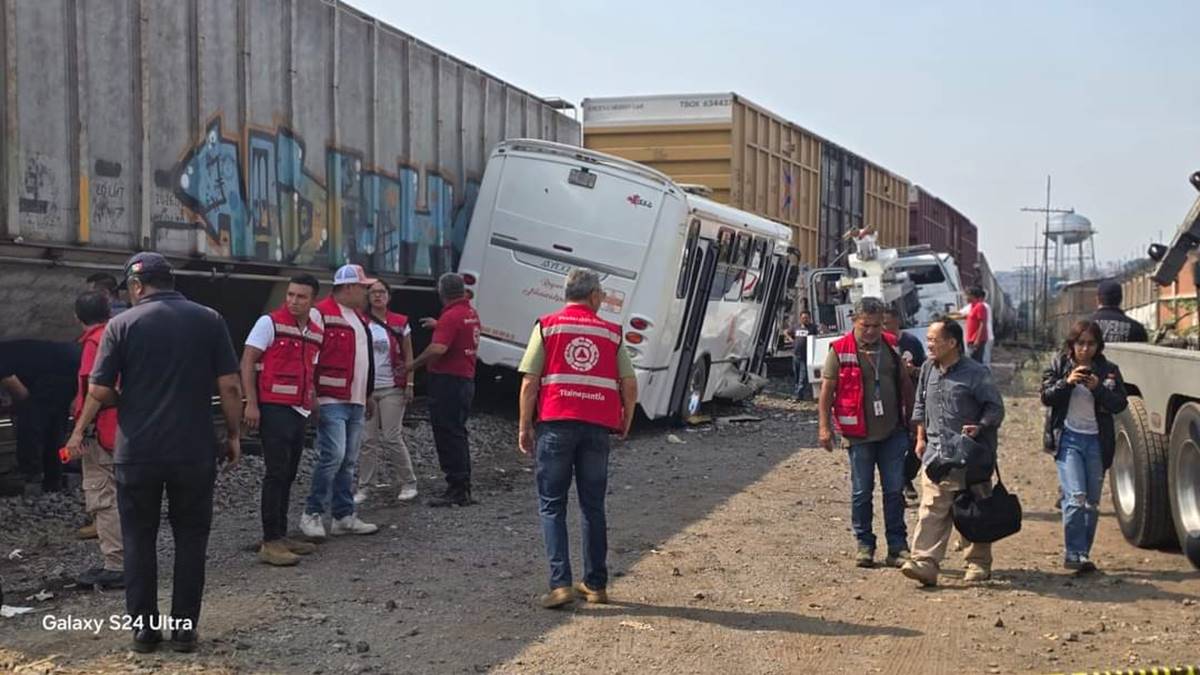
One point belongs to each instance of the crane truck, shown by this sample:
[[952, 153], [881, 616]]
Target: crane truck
[[1155, 477]]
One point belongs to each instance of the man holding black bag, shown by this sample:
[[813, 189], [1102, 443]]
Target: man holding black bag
[[958, 412]]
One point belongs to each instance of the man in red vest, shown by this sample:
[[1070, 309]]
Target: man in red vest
[[95, 450], [345, 379], [580, 381], [451, 359], [279, 378], [865, 385]]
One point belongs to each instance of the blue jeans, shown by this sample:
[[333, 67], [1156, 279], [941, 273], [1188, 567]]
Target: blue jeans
[[339, 437], [1080, 475], [801, 388], [564, 448], [888, 455]]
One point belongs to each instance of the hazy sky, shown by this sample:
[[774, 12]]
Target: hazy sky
[[975, 101]]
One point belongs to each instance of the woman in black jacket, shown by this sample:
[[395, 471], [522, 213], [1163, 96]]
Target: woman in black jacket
[[1083, 391]]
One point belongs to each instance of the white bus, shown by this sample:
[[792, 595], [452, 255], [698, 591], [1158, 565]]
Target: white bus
[[693, 283]]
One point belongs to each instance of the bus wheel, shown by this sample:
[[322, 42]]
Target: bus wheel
[[1183, 473], [694, 397]]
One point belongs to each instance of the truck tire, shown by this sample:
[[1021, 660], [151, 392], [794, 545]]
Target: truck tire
[[1138, 480], [1183, 473]]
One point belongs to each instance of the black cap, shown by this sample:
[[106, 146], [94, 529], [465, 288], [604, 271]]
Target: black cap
[[1109, 292], [146, 263]]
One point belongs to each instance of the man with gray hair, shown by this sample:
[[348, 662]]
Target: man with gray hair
[[579, 381], [451, 359], [865, 384]]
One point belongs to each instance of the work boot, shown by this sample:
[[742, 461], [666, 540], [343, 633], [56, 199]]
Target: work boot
[[275, 553], [865, 557], [897, 559], [299, 547], [924, 572], [87, 531], [976, 573], [558, 597], [595, 596]]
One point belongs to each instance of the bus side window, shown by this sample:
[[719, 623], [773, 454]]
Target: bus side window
[[687, 261], [735, 272], [759, 265], [726, 242]]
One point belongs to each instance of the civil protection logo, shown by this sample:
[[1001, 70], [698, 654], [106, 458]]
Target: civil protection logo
[[582, 354]]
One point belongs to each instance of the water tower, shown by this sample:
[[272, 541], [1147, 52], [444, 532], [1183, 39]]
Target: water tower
[[1070, 233]]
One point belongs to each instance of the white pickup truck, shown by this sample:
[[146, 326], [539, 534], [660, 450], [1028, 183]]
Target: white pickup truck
[[1155, 477]]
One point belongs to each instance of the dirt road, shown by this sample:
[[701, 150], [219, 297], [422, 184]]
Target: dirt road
[[731, 553]]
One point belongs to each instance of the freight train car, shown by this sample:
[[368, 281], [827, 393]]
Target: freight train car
[[756, 161], [941, 226], [1004, 312], [246, 139]]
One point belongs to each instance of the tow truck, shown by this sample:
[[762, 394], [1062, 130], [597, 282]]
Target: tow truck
[[1155, 477]]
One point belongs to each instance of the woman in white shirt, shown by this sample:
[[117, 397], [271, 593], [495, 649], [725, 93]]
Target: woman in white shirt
[[384, 460]]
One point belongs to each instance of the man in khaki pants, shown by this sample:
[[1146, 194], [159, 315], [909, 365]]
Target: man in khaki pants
[[955, 395], [99, 480]]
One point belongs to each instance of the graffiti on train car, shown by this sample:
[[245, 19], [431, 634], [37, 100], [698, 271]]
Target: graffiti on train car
[[274, 208]]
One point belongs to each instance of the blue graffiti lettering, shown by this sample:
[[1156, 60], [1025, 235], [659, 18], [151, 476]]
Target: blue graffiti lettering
[[279, 211]]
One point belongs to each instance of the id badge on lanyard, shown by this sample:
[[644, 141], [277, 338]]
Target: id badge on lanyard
[[878, 405]]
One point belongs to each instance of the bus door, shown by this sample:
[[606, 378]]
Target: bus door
[[701, 268], [773, 292]]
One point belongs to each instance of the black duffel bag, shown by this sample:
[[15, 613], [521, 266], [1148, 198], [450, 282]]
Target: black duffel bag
[[986, 519], [974, 457]]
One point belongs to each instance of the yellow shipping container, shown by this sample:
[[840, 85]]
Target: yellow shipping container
[[887, 206], [749, 157]]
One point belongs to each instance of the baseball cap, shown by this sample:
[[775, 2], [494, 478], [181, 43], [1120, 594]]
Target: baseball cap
[[145, 263], [351, 274]]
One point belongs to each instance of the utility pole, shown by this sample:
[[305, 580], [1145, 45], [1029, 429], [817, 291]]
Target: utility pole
[[1045, 285], [1028, 286]]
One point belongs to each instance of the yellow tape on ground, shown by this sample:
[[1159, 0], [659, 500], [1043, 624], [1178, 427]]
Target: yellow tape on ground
[[1181, 670]]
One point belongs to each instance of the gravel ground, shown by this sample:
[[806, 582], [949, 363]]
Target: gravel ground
[[730, 551]]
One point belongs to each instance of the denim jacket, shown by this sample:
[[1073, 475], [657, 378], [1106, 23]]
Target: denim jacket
[[1109, 396]]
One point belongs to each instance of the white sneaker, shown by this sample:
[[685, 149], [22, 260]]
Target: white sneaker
[[360, 496], [311, 525], [408, 493], [352, 525]]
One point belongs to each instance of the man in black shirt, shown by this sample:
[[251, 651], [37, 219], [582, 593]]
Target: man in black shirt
[[39, 375], [913, 353], [166, 354], [802, 389], [1113, 323]]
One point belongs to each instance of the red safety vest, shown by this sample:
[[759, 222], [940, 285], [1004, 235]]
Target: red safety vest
[[285, 371], [395, 325], [335, 369], [106, 420], [580, 379], [848, 406]]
